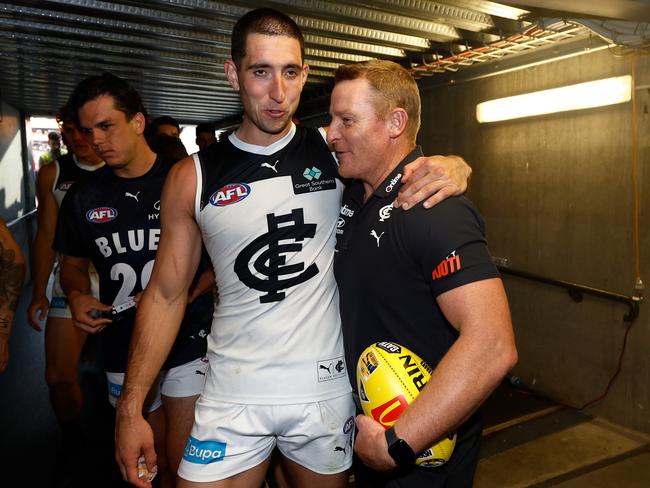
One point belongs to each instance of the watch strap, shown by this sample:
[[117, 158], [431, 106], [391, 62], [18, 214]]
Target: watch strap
[[399, 449]]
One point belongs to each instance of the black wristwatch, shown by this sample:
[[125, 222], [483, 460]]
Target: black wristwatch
[[399, 449]]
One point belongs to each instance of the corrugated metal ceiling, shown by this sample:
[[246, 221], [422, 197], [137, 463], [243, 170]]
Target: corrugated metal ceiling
[[173, 50]]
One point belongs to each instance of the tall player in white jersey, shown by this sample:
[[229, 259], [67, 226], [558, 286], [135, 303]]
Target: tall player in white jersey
[[267, 214]]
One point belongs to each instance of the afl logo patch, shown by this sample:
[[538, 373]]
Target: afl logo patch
[[101, 215], [229, 194], [349, 423]]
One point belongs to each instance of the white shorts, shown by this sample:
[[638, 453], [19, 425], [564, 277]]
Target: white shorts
[[59, 307], [182, 381], [229, 438]]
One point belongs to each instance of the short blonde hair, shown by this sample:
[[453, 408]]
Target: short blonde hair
[[394, 88]]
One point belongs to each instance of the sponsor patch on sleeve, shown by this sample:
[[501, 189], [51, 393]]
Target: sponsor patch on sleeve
[[447, 266]]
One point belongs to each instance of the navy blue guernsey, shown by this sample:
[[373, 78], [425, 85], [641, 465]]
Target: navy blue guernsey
[[391, 265], [115, 222], [69, 172]]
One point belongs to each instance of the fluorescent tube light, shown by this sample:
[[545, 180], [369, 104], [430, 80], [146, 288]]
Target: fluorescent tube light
[[597, 93]]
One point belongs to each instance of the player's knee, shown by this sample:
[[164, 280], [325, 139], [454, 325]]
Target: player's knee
[[59, 379]]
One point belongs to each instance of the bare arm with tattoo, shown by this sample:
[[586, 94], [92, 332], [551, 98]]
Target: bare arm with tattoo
[[12, 273]]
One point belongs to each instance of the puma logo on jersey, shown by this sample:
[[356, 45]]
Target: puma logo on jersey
[[374, 234], [271, 166], [135, 197]]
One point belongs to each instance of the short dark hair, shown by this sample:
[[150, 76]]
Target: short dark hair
[[164, 120], [168, 147], [65, 115], [126, 98], [265, 21], [54, 135], [207, 127]]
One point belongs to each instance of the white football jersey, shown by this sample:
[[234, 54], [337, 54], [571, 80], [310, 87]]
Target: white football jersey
[[268, 217]]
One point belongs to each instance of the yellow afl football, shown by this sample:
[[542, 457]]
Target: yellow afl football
[[389, 377]]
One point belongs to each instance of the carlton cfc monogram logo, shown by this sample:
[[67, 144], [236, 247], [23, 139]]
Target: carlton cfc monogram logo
[[267, 255]]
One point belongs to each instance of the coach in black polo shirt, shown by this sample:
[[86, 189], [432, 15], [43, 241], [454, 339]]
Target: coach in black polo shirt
[[423, 279]]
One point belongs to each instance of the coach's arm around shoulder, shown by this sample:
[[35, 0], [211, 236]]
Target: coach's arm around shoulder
[[468, 373]]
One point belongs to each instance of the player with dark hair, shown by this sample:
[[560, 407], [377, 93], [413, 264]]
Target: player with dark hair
[[167, 125], [63, 341], [205, 135], [112, 220], [167, 146], [265, 201], [53, 153]]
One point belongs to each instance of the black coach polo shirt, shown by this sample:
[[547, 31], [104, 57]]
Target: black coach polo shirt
[[391, 264]]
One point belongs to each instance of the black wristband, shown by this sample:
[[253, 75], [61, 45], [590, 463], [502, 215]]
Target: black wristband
[[399, 449]]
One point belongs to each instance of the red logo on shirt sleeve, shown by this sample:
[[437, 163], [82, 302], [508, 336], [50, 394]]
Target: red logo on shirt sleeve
[[449, 265]]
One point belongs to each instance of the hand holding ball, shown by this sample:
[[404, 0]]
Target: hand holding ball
[[389, 378]]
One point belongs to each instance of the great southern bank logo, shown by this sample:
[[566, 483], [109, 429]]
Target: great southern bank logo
[[229, 194], [204, 452], [101, 215], [312, 173], [316, 181]]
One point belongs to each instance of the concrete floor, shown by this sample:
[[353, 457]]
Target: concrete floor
[[564, 448]]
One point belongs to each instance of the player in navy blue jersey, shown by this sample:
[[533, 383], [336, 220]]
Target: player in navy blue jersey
[[113, 221], [265, 202]]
